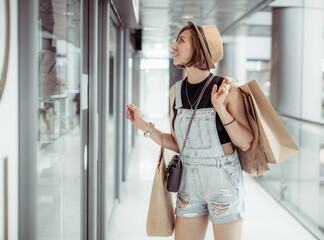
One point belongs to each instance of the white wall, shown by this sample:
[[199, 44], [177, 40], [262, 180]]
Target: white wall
[[9, 131]]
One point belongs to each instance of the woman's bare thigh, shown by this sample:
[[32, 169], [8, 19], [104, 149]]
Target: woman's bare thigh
[[228, 231], [191, 228]]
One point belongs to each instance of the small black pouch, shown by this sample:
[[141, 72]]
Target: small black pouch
[[173, 174]]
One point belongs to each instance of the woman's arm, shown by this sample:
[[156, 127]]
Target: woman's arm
[[239, 131], [172, 99], [232, 107], [165, 140]]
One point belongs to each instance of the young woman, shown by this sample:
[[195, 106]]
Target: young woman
[[212, 183]]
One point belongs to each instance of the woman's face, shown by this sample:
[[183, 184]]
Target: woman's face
[[182, 50]]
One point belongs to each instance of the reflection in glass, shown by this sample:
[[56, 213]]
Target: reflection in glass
[[58, 204], [297, 183]]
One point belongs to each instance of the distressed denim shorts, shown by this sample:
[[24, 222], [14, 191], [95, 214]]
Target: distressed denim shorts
[[212, 186]]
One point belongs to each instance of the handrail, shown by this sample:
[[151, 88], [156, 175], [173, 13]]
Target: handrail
[[302, 120]]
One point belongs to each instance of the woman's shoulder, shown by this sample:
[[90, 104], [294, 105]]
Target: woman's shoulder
[[178, 82], [173, 88], [219, 80]]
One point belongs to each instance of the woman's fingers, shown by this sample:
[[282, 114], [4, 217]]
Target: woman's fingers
[[222, 89], [214, 90], [225, 86], [131, 106], [128, 114], [130, 111]]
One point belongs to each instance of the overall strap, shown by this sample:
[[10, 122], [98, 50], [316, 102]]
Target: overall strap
[[178, 94], [194, 112]]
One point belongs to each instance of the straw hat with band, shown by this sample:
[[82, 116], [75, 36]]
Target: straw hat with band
[[211, 43]]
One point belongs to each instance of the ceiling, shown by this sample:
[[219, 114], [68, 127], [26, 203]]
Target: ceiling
[[161, 20]]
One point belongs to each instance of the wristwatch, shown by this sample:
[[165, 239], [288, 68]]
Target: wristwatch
[[149, 132]]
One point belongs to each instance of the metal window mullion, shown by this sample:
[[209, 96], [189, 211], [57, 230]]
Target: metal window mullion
[[27, 111], [93, 120]]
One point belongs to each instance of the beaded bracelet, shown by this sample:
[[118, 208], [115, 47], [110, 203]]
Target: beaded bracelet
[[229, 122]]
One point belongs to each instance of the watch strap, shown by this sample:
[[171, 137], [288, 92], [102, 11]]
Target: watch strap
[[149, 132]]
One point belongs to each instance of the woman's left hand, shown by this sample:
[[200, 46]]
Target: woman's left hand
[[218, 98]]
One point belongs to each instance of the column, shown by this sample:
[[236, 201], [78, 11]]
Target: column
[[233, 63], [297, 50]]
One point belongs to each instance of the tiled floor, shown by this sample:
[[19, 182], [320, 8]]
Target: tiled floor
[[265, 220], [58, 205]]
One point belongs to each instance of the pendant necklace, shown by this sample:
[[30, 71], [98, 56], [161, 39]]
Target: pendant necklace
[[191, 106]]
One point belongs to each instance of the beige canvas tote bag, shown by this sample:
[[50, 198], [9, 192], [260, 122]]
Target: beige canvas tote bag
[[160, 218]]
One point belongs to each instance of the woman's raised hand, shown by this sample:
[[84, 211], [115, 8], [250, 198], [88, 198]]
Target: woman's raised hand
[[134, 114], [218, 98]]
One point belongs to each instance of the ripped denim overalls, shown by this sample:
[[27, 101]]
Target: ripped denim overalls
[[211, 183]]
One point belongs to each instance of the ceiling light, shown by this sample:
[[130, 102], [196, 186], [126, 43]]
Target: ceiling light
[[187, 17], [67, 13]]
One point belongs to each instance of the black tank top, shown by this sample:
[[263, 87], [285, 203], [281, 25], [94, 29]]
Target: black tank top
[[193, 93]]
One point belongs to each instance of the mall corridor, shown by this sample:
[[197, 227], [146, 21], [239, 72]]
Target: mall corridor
[[74, 167]]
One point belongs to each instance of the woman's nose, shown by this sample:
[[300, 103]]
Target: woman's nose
[[173, 46]]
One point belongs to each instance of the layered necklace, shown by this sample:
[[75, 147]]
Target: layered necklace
[[192, 105]]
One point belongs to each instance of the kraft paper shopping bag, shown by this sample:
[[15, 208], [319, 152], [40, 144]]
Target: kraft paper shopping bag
[[278, 143], [253, 161], [272, 142]]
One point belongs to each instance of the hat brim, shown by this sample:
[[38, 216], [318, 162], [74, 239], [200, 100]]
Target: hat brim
[[202, 42]]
